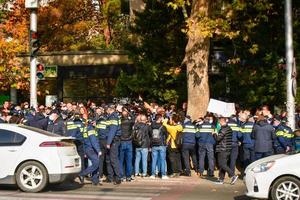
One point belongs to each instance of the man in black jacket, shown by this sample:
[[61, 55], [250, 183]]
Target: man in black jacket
[[141, 139], [264, 136], [223, 149], [126, 149], [56, 124]]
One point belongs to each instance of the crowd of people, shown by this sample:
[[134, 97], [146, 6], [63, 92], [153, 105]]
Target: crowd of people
[[121, 141]]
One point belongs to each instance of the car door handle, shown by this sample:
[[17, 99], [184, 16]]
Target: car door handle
[[12, 150]]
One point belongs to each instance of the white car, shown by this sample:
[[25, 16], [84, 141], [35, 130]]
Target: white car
[[32, 158], [276, 177]]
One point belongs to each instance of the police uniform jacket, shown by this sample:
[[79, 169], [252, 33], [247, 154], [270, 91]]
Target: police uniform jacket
[[189, 133], [113, 127], [90, 139], [205, 132]]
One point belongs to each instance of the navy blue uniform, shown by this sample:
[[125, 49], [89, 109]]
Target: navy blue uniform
[[102, 132], [113, 139], [206, 144], [248, 144], [75, 128], [188, 146], [92, 150]]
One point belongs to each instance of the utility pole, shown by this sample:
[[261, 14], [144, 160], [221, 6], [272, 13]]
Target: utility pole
[[33, 6], [290, 104]]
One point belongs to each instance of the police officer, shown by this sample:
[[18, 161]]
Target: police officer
[[206, 144], [289, 135], [102, 132], [112, 145], [236, 137], [93, 152], [246, 128], [188, 145], [283, 133], [75, 128]]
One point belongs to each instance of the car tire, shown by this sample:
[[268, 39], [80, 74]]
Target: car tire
[[32, 176], [286, 186]]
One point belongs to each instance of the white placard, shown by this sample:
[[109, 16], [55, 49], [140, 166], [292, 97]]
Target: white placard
[[221, 108], [50, 99]]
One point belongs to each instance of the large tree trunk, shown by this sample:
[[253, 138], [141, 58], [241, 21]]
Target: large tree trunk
[[196, 61]]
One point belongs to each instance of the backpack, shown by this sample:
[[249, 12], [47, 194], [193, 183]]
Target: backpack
[[156, 136], [179, 139], [138, 135]]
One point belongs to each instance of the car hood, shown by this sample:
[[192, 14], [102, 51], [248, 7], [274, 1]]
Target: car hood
[[263, 160]]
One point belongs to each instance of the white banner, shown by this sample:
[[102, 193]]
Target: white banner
[[221, 108]]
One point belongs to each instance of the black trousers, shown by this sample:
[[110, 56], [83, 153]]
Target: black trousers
[[113, 162], [223, 158], [175, 160], [103, 149], [189, 150]]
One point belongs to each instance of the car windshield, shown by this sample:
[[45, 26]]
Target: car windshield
[[39, 131]]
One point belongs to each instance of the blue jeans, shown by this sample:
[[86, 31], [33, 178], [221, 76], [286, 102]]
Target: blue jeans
[[126, 156], [141, 153], [159, 158], [92, 169], [206, 150], [259, 155]]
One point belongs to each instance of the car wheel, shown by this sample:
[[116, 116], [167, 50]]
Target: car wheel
[[31, 177], [286, 188]]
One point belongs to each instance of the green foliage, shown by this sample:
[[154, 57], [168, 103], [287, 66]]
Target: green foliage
[[255, 76], [157, 52]]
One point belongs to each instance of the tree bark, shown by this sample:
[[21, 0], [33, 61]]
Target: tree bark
[[196, 61]]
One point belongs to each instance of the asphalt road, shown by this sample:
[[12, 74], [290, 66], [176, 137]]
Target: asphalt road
[[182, 188]]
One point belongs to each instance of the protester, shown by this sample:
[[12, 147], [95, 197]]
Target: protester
[[223, 149], [263, 135], [141, 140], [158, 143], [174, 128]]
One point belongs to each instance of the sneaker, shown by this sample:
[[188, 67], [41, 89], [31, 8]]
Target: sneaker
[[219, 182], [117, 182], [152, 177], [164, 177], [128, 179], [81, 179], [123, 179], [143, 175], [172, 175], [234, 179], [132, 178]]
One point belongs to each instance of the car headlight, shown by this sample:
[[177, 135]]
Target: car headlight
[[263, 167]]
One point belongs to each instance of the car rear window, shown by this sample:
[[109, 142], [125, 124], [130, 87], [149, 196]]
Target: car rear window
[[39, 131]]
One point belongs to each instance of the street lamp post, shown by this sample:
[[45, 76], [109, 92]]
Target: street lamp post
[[32, 5], [289, 63]]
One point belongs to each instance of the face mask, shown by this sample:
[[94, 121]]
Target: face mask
[[51, 117], [26, 106], [211, 121]]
